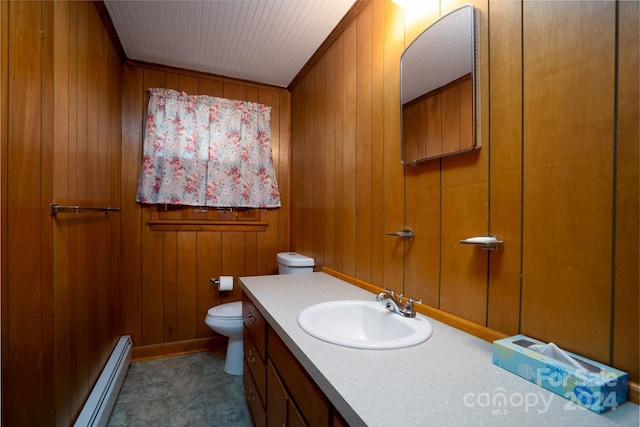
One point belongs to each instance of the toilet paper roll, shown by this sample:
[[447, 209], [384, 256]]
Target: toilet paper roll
[[226, 283]]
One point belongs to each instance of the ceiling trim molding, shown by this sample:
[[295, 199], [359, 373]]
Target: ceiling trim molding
[[351, 15], [201, 74], [111, 30]]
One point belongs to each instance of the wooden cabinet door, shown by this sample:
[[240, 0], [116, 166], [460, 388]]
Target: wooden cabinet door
[[294, 417], [277, 401]]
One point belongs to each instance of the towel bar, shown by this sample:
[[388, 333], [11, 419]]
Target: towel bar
[[55, 209]]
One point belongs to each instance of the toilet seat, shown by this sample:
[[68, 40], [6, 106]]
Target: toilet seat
[[230, 310]]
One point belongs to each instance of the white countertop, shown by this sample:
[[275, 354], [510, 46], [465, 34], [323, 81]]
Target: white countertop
[[448, 380]]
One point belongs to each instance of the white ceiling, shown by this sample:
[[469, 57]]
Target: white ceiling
[[264, 41]]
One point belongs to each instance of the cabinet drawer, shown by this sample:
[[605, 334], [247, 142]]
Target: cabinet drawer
[[256, 325], [313, 404], [256, 364], [258, 412]]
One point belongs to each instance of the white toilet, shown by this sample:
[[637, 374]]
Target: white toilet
[[294, 263], [226, 319]]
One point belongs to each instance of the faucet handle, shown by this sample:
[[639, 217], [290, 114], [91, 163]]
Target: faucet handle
[[408, 310]]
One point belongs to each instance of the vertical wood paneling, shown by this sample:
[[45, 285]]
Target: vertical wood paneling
[[4, 113], [422, 255], [329, 176], [505, 199], [186, 275], [80, 169], [132, 112], [47, 149], [309, 169], [565, 136], [100, 187], [433, 126], [208, 266], [422, 201], [232, 254], [23, 339], [113, 278], [349, 153], [377, 152], [394, 185], [339, 156], [63, 369], [319, 162], [77, 375], [451, 120], [568, 161], [283, 160], [71, 132], [464, 213], [625, 320], [92, 184], [170, 286], [363, 144], [297, 201], [169, 279]]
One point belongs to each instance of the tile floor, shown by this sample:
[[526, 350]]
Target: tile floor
[[189, 390]]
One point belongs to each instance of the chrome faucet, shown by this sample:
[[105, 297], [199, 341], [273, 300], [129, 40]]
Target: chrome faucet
[[394, 304]]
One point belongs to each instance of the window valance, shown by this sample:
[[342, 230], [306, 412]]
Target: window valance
[[207, 151]]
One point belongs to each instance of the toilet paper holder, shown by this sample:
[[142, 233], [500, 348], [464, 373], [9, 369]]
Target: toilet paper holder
[[224, 283]]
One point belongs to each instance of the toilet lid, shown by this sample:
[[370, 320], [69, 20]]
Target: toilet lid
[[228, 311]]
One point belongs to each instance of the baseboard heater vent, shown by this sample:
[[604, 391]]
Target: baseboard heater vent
[[97, 409]]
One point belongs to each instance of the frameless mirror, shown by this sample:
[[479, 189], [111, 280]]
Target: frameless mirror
[[438, 89]]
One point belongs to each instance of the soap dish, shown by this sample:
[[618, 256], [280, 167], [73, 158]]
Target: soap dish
[[489, 243]]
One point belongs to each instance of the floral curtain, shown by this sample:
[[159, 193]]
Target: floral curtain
[[207, 151]]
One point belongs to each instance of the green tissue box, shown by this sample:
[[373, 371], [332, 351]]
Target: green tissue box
[[585, 382]]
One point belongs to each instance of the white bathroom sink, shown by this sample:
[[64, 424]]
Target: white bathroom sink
[[363, 324]]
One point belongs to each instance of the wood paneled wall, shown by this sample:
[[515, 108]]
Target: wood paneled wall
[[61, 127], [556, 177], [439, 123], [166, 273]]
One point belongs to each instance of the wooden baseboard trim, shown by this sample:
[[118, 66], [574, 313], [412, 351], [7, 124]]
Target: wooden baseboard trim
[[634, 393], [475, 329], [177, 348]]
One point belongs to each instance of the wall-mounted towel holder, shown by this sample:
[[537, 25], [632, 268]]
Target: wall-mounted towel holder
[[55, 209], [488, 243]]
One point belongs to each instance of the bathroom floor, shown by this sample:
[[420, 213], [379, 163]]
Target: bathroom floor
[[189, 390]]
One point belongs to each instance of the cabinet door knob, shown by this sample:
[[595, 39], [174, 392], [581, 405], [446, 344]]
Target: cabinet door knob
[[251, 358], [251, 317]]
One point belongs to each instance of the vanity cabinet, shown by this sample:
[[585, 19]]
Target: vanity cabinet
[[282, 410], [254, 346], [303, 393], [278, 389]]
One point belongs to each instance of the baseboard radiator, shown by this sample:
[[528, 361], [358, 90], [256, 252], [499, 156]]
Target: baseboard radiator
[[97, 409]]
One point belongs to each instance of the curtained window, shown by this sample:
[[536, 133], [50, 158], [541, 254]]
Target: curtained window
[[207, 151]]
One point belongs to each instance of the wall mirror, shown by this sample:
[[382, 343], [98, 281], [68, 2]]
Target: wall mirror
[[438, 89]]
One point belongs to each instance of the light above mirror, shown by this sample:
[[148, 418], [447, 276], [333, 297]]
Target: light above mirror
[[411, 4], [438, 95]]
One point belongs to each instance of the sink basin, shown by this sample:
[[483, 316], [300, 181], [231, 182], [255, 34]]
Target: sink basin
[[363, 324]]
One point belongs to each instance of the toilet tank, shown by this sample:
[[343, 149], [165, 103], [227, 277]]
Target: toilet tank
[[294, 263]]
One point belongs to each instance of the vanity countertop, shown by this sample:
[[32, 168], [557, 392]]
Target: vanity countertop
[[448, 380]]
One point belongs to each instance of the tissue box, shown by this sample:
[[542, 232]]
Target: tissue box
[[593, 385]]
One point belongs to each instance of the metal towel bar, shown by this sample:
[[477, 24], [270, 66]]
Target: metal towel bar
[[55, 209]]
